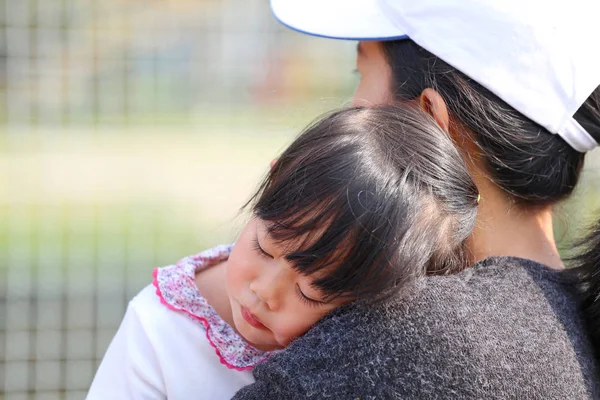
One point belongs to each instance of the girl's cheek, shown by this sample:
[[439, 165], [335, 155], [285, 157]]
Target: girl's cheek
[[244, 270], [235, 273], [295, 327], [286, 338]]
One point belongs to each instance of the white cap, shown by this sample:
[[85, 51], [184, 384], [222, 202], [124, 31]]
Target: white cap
[[539, 56]]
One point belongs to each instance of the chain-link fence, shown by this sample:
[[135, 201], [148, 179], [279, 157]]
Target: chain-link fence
[[130, 133]]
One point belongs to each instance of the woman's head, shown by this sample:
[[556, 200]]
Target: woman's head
[[529, 163], [363, 202]]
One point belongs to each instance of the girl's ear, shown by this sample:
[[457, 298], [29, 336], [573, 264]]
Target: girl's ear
[[273, 162], [433, 104]]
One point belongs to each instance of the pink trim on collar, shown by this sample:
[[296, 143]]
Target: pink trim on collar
[[176, 287]]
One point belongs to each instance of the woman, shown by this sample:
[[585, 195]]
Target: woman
[[521, 100]]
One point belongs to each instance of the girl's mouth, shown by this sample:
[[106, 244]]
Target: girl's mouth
[[251, 319]]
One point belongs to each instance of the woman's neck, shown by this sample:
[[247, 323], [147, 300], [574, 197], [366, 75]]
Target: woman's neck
[[506, 229]]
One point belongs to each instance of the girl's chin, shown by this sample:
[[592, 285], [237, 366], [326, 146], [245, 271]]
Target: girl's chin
[[259, 342], [251, 336], [267, 347]]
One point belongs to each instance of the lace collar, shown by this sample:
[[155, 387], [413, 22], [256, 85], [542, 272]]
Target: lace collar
[[176, 287]]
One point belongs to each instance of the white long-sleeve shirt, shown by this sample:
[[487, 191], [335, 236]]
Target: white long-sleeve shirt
[[165, 347]]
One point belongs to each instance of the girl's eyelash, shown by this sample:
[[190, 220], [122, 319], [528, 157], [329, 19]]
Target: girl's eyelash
[[259, 249], [309, 302], [355, 71]]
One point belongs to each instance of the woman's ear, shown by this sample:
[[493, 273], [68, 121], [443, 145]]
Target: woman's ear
[[433, 104], [273, 162]]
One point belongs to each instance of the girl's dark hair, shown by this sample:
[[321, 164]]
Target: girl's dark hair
[[378, 196], [531, 165]]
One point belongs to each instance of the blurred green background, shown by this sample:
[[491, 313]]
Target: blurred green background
[[130, 134]]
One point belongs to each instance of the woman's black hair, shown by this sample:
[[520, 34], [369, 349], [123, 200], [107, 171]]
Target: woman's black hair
[[380, 196], [587, 264], [533, 166]]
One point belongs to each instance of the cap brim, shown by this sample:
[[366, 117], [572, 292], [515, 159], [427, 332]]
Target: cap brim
[[337, 19]]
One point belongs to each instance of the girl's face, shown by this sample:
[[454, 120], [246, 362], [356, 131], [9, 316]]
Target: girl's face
[[375, 76], [271, 303]]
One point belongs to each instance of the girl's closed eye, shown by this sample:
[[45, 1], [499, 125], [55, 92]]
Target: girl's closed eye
[[308, 300]]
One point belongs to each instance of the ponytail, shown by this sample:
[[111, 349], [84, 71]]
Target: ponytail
[[587, 265]]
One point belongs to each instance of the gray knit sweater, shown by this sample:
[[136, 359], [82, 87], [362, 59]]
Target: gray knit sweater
[[506, 328]]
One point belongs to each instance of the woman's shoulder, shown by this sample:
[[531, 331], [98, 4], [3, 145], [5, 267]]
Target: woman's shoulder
[[507, 287], [505, 327], [500, 299], [509, 281], [494, 285]]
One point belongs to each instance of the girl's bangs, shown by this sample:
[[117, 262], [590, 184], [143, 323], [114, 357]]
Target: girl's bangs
[[326, 239]]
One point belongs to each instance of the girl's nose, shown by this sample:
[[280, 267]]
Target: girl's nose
[[268, 288]]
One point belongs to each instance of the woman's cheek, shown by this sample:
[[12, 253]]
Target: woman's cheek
[[361, 97], [370, 92]]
